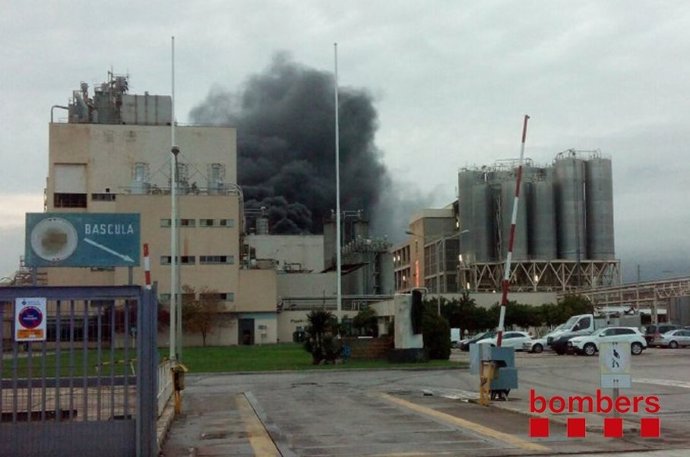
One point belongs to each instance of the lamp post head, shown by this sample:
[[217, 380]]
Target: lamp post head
[[175, 150]]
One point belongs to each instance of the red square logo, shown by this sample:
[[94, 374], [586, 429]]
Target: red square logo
[[650, 427], [613, 427], [538, 427], [576, 427]]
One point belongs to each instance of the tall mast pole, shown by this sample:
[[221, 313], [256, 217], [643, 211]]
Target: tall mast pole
[[505, 285], [339, 297], [173, 218]]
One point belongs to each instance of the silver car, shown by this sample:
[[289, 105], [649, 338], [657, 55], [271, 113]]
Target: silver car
[[672, 339]]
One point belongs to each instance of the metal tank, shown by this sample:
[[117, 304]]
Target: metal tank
[[542, 215], [570, 181], [216, 178], [481, 231], [466, 181], [140, 179], [599, 204], [507, 200]]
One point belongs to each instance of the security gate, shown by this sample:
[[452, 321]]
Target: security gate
[[88, 388]]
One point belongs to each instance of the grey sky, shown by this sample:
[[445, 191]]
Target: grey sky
[[452, 80]]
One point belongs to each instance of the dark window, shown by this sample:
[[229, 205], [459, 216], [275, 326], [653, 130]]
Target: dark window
[[106, 197], [216, 259], [69, 200]]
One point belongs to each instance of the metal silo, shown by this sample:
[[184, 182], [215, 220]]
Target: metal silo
[[570, 180], [507, 199], [482, 228], [466, 181], [599, 189], [542, 223]]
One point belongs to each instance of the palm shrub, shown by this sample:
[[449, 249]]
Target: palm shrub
[[321, 343]]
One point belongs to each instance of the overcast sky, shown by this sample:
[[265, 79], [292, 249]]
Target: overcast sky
[[451, 81]]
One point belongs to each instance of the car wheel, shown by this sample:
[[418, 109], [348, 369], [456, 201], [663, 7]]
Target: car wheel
[[636, 348], [589, 349], [537, 348], [673, 345]]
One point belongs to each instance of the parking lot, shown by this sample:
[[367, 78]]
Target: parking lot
[[418, 412]]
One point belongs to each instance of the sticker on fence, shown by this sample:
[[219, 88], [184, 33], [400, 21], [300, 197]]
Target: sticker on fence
[[30, 319]]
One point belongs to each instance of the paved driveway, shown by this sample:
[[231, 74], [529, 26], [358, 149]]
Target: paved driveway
[[418, 412]]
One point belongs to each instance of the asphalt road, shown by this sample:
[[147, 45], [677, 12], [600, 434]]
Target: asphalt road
[[419, 412]]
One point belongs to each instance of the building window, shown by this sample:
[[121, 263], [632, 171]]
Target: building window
[[216, 259], [103, 197], [183, 223], [184, 260], [229, 223], [206, 222], [223, 296], [69, 200]]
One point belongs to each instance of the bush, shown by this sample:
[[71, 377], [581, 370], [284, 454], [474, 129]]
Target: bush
[[436, 336]]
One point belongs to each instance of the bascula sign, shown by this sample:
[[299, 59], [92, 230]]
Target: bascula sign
[[82, 240]]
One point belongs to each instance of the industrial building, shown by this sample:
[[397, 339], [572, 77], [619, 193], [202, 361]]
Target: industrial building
[[564, 238], [112, 155]]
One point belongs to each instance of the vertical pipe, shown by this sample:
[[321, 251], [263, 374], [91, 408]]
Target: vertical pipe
[[99, 357], [339, 297], [112, 359], [29, 376], [505, 285]]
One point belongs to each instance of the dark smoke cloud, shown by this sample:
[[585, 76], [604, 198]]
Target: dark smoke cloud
[[286, 145]]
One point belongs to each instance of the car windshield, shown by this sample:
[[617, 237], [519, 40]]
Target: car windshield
[[599, 332], [570, 322]]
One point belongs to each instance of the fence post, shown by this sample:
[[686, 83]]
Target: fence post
[[147, 374]]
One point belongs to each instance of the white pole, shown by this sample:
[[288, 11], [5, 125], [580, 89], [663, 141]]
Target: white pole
[[173, 218], [339, 297]]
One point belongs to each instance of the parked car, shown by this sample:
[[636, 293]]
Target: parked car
[[560, 344], [589, 345], [656, 330], [464, 345], [538, 345], [510, 340], [672, 339]]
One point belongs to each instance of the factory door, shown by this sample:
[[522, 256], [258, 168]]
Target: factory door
[[246, 331], [79, 372]]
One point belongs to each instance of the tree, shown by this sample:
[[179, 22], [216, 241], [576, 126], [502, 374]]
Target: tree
[[366, 321], [200, 312]]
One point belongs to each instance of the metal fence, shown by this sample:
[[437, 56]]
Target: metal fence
[[90, 387]]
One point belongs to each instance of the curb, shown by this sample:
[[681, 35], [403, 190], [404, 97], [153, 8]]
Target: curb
[[164, 422]]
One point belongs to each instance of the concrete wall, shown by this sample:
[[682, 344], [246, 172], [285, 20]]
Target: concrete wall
[[288, 322], [307, 285], [258, 291]]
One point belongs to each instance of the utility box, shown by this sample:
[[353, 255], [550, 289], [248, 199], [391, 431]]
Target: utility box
[[504, 375]]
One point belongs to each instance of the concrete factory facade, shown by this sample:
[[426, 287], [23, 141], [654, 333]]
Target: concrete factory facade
[[564, 236], [113, 156]]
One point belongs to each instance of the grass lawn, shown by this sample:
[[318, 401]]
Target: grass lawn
[[213, 359], [275, 357]]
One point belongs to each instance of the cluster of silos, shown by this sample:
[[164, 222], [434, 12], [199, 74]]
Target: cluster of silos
[[565, 210]]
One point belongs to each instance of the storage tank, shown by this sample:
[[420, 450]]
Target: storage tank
[[599, 201], [140, 179], [216, 179], [542, 216], [466, 181], [482, 226], [507, 201], [570, 181]]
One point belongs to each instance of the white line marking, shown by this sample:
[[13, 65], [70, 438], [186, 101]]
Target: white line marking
[[663, 382], [126, 258]]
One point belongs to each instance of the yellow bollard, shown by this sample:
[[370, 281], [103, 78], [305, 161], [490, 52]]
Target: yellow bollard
[[486, 375], [178, 371]]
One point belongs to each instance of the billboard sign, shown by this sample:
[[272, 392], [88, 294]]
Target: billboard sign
[[82, 240]]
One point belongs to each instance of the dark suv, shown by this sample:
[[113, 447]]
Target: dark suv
[[655, 330]]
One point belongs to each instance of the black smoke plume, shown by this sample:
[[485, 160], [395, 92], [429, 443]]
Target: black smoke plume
[[285, 124]]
